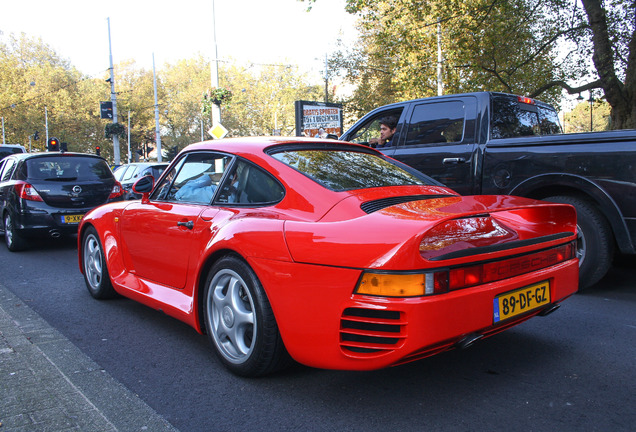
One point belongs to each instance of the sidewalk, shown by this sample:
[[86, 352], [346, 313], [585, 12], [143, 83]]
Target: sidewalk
[[47, 384]]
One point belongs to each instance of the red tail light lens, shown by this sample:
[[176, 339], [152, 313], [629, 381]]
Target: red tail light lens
[[463, 277], [27, 191], [116, 192]]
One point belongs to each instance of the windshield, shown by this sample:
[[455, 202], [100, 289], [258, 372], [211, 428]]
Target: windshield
[[348, 170], [59, 168]]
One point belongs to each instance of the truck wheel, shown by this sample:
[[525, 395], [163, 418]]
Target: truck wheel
[[595, 248]]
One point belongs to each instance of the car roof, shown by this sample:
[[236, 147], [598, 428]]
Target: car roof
[[258, 145], [23, 156]]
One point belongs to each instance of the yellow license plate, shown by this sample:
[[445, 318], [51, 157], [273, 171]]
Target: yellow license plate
[[72, 218], [519, 301]]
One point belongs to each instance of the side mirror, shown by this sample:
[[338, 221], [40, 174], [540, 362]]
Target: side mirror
[[144, 186]]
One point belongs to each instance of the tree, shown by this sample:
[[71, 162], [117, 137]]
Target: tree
[[36, 83], [532, 47], [588, 116]]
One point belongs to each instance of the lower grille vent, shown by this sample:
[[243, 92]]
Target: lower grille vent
[[371, 332]]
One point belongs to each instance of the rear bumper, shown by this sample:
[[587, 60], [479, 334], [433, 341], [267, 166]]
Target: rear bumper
[[36, 222], [323, 324]]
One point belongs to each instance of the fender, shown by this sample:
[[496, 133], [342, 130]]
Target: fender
[[545, 185]]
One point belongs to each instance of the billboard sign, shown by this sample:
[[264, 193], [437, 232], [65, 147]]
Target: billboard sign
[[317, 119]]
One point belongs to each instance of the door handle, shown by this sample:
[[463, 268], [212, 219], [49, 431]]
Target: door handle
[[189, 224], [455, 160]]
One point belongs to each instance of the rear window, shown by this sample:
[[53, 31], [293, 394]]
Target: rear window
[[511, 118], [348, 170], [67, 168]]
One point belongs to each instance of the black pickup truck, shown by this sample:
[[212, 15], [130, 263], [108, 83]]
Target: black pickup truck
[[496, 143]]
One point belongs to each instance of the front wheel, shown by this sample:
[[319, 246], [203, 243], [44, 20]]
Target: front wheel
[[240, 322], [94, 266], [595, 244], [14, 241]]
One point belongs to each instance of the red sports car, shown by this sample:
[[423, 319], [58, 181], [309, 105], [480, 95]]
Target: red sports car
[[326, 252]]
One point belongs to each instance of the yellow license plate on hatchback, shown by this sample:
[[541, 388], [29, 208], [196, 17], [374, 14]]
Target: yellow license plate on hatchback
[[520, 301], [72, 219]]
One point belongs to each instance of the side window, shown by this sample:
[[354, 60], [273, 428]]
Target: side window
[[248, 184], [371, 129], [7, 170], [441, 122], [195, 179]]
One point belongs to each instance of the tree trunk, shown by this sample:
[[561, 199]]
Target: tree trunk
[[620, 96]]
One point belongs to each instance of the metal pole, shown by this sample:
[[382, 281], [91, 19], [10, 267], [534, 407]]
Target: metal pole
[[157, 132], [46, 124], [113, 98], [3, 141], [214, 65], [591, 108], [326, 81], [129, 155], [440, 84]]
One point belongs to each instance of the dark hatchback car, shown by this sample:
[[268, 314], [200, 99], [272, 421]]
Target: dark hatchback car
[[128, 174], [47, 194]]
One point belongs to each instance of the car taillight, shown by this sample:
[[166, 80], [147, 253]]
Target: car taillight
[[27, 191], [116, 192], [463, 277], [441, 281]]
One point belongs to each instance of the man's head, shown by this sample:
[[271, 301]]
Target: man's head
[[387, 127]]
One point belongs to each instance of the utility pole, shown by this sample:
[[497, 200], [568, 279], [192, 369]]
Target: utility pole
[[214, 69], [113, 98], [157, 131], [440, 84], [326, 80]]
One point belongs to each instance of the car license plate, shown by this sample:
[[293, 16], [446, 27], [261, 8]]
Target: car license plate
[[72, 219], [519, 301]]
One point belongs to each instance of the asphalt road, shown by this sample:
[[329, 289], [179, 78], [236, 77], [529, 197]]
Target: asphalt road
[[572, 370]]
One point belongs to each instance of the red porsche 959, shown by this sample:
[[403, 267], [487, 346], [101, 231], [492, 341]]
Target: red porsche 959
[[327, 253]]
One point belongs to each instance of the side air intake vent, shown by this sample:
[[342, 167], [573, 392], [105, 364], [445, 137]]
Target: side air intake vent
[[373, 206], [370, 331]]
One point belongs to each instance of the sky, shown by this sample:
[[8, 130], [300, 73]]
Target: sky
[[247, 31]]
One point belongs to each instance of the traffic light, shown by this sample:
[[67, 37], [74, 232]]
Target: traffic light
[[36, 135], [53, 144], [63, 147], [98, 150]]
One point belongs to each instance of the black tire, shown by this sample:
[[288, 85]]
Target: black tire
[[595, 248], [94, 266], [14, 241], [240, 322]]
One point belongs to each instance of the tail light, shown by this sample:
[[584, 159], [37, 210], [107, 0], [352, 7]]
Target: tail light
[[436, 282], [116, 192], [27, 191]]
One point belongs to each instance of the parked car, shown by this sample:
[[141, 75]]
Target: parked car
[[128, 174], [329, 252], [496, 143], [9, 149], [47, 194]]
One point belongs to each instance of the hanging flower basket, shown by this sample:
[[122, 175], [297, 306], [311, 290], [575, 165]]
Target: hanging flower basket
[[215, 96], [113, 129]]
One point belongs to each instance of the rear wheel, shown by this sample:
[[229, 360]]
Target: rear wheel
[[595, 244], [240, 322], [94, 266], [15, 242]]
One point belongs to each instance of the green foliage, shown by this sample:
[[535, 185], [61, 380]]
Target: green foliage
[[586, 115], [114, 129]]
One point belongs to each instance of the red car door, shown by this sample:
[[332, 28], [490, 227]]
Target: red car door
[[158, 234], [157, 239]]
